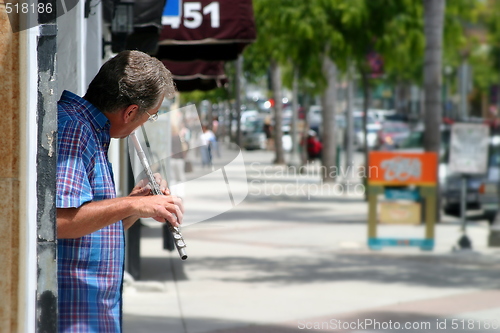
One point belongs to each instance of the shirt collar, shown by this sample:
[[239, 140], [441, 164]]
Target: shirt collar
[[98, 120]]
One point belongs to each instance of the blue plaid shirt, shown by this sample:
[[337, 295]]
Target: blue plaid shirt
[[90, 268]]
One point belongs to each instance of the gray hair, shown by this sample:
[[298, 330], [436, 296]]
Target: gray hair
[[131, 77]]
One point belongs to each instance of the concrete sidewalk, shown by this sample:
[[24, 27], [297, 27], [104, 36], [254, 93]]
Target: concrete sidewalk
[[293, 257]]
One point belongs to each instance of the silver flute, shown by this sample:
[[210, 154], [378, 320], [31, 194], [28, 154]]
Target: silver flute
[[155, 188]]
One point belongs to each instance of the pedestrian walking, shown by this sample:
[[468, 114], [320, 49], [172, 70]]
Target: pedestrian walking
[[177, 163], [207, 138]]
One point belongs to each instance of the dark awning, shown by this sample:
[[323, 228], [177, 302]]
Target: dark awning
[[181, 32], [207, 29], [197, 74], [145, 12]]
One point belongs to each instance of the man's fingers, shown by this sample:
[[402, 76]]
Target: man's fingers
[[161, 181], [164, 208], [175, 219], [142, 183], [139, 191], [177, 201], [179, 214]]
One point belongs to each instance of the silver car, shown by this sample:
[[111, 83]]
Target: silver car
[[253, 135]]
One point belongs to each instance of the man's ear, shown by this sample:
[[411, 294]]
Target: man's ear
[[130, 113]]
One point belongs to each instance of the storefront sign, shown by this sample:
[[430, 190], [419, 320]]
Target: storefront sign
[[397, 168]]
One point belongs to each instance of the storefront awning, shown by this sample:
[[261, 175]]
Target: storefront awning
[[197, 74], [206, 30], [192, 38]]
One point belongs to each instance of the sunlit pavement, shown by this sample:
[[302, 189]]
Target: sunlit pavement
[[291, 259]]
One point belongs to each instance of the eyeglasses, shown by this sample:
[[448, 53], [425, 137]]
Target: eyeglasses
[[152, 117]]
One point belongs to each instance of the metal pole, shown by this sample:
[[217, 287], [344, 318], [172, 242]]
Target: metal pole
[[463, 203], [464, 241], [463, 79], [349, 125]]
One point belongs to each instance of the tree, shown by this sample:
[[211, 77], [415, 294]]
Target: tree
[[433, 27], [493, 24], [278, 112], [315, 47], [269, 50]]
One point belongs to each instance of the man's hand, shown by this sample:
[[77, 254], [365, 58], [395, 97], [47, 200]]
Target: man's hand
[[162, 208], [144, 188]]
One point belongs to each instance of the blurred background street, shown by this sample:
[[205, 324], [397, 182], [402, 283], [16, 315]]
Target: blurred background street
[[291, 261], [330, 88]]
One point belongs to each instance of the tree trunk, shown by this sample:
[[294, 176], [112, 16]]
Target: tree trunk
[[402, 98], [433, 19], [278, 113], [294, 154], [433, 27], [349, 130], [328, 128]]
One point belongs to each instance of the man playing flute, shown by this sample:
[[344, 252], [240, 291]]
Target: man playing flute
[[127, 92]]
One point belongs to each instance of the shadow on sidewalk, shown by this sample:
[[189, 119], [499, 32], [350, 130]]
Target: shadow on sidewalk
[[431, 271], [299, 215]]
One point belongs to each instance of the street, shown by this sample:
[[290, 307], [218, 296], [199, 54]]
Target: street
[[292, 256]]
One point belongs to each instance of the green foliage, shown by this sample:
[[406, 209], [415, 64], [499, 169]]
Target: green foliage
[[482, 66], [492, 19], [402, 42], [195, 97], [297, 33]]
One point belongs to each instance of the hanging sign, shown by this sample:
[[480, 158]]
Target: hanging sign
[[469, 148]]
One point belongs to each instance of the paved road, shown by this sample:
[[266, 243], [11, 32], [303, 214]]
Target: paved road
[[292, 257]]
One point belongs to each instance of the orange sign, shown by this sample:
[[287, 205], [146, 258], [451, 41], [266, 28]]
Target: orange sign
[[398, 168]]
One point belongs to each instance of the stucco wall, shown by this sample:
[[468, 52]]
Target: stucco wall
[[9, 174]]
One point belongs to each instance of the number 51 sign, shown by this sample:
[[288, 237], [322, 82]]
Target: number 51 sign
[[190, 14]]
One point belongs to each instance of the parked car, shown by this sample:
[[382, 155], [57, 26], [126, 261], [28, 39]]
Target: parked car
[[392, 135], [287, 138], [315, 118], [482, 190], [381, 115], [244, 116], [372, 128], [248, 115], [253, 135]]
